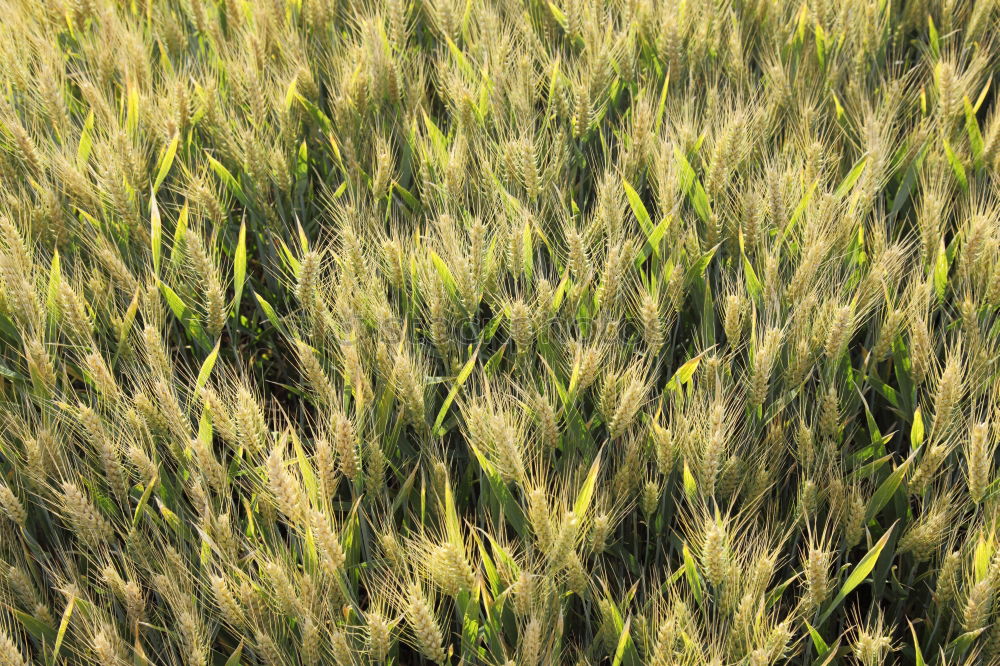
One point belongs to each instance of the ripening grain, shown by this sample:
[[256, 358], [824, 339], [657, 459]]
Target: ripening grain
[[505, 332]]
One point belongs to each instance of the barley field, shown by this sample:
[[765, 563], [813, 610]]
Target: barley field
[[501, 332]]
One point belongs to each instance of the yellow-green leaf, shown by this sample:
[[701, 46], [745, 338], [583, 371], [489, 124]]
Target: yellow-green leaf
[[206, 367], [982, 556], [586, 493], [234, 658], [443, 271], [821, 645], [51, 301], [851, 178], [917, 430], [690, 484], [932, 37], [166, 161], [239, 268], [169, 516], [941, 272], [918, 656], [638, 208], [230, 181], [972, 129], [859, 573], [956, 165], [623, 641], [463, 375], [155, 232], [691, 572], [180, 232], [886, 490], [132, 109], [128, 319], [684, 373], [452, 524], [63, 626], [86, 142], [269, 312]]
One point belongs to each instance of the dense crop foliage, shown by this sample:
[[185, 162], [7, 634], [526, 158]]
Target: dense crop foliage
[[499, 332]]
